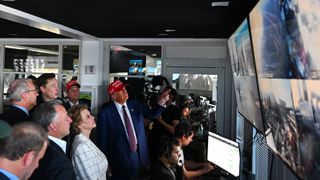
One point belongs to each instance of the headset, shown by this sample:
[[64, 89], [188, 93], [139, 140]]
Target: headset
[[164, 147]]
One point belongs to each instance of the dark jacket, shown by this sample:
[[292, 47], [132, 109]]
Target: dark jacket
[[159, 171], [14, 115], [54, 165], [3, 177], [81, 101], [113, 141]]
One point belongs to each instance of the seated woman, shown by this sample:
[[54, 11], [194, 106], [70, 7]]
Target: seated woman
[[88, 161]]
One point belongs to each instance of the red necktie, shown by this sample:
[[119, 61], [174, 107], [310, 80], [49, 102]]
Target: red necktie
[[132, 140]]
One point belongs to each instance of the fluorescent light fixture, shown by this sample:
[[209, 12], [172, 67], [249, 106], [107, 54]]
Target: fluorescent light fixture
[[221, 3], [37, 50], [169, 30], [163, 34]]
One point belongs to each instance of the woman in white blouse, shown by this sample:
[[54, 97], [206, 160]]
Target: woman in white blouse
[[88, 161]]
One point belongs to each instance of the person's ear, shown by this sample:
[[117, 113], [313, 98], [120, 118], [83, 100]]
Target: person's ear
[[42, 89], [23, 96], [28, 158], [52, 126]]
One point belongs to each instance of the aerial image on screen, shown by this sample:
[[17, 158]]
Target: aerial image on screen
[[285, 37], [244, 76], [306, 101], [136, 67], [282, 135]]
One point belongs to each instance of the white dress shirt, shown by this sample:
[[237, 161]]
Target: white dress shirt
[[120, 110], [59, 142]]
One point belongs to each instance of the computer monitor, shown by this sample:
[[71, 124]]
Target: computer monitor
[[224, 153]]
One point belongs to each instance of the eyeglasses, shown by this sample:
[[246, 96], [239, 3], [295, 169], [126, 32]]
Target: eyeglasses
[[32, 90]]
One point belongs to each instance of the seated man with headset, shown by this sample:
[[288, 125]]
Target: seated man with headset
[[166, 165]]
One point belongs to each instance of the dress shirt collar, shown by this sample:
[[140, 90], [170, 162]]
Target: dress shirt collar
[[119, 106], [22, 108], [9, 174], [71, 104], [61, 143]]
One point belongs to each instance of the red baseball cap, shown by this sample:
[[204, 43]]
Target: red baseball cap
[[116, 86], [72, 83]]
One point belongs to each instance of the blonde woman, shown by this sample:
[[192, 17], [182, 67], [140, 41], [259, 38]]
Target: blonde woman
[[88, 161]]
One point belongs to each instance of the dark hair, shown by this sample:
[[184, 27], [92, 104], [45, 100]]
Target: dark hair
[[183, 129], [42, 80], [32, 77], [75, 114], [166, 146], [173, 93], [25, 137], [45, 113], [182, 107]]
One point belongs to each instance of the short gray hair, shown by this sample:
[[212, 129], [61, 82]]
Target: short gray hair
[[45, 113], [25, 136], [17, 87]]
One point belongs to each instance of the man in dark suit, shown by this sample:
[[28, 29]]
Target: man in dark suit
[[23, 96], [73, 94], [55, 164], [21, 150], [121, 133]]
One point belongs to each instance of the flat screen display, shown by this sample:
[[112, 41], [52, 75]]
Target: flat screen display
[[136, 67], [244, 76], [285, 38], [224, 153]]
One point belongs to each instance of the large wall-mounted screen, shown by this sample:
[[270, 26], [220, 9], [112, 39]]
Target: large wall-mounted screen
[[244, 76], [285, 38]]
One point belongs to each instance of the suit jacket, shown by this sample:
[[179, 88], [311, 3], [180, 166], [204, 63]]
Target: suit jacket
[[14, 115], [159, 171], [81, 101], [113, 141], [3, 177], [54, 165]]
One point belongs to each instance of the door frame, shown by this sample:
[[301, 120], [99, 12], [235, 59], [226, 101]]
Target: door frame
[[220, 72]]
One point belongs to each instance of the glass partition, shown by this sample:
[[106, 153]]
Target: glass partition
[[70, 64], [21, 60]]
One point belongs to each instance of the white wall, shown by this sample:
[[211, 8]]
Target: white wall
[[91, 54]]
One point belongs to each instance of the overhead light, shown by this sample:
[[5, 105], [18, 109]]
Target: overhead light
[[37, 50], [13, 34], [221, 3], [163, 34], [169, 30], [8, 0]]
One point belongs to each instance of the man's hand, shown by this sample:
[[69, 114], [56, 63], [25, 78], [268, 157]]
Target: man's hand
[[207, 167]]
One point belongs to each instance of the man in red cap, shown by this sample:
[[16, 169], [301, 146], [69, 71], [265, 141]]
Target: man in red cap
[[121, 133], [73, 94]]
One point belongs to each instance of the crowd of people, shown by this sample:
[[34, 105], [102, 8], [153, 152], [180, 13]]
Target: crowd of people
[[43, 136]]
